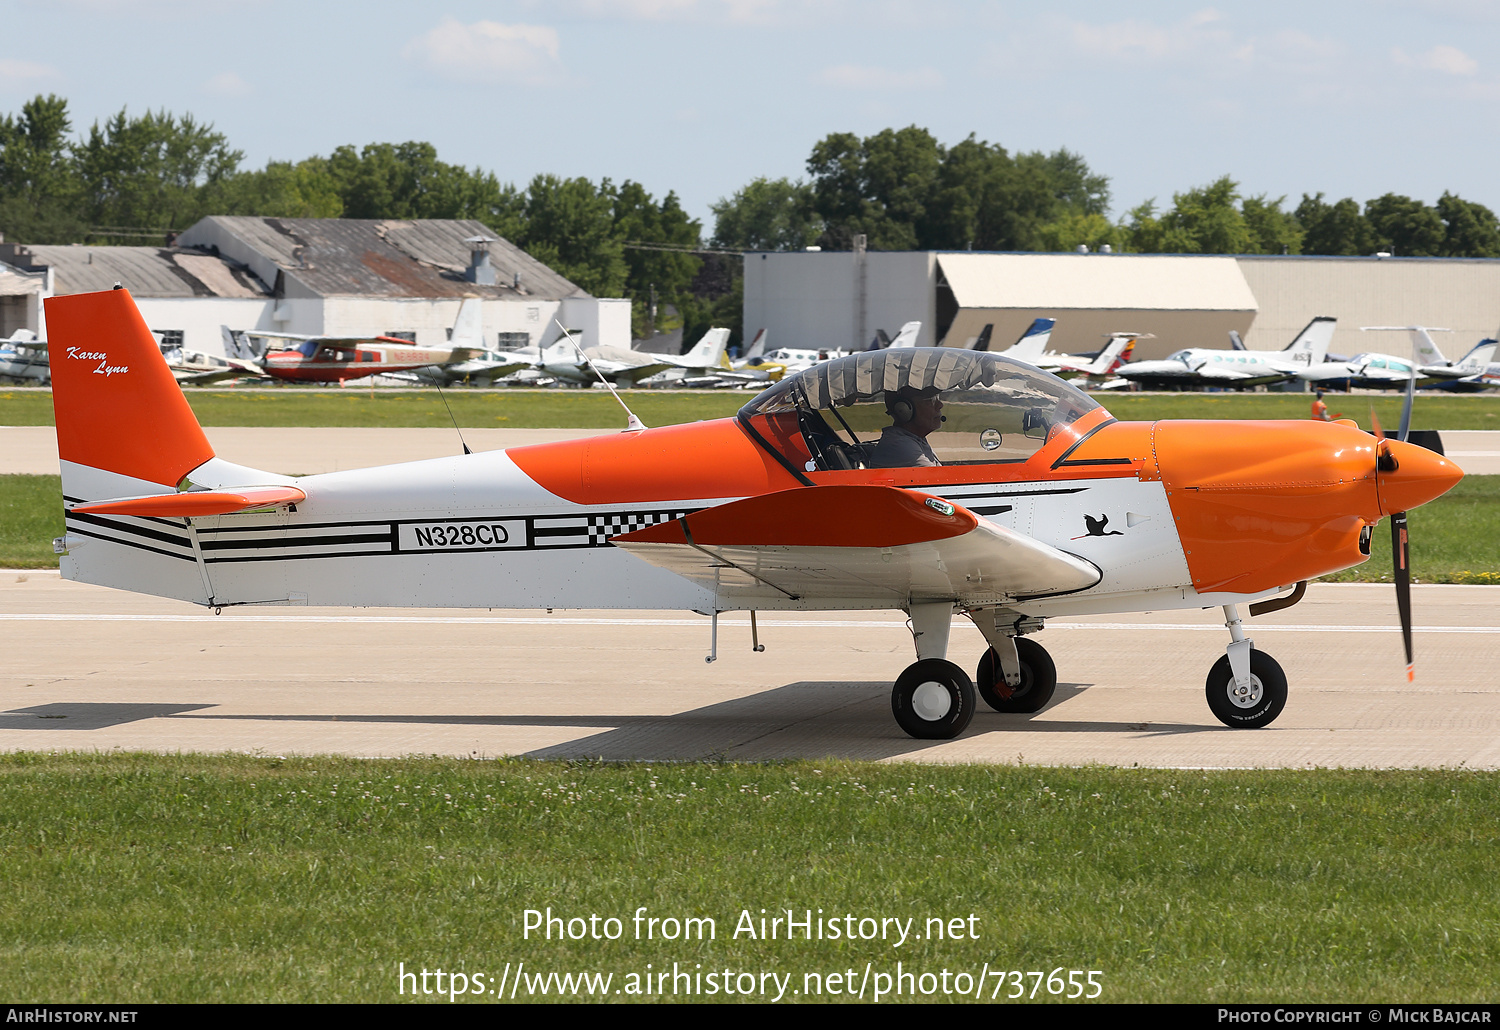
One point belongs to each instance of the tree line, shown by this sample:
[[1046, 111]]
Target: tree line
[[131, 179]]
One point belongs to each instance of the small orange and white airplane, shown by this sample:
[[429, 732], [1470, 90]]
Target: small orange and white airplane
[[929, 480]]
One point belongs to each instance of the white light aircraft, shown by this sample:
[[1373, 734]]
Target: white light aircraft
[[1375, 371], [1016, 499], [1238, 369]]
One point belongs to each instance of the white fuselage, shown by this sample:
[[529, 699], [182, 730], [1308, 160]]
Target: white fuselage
[[474, 531]]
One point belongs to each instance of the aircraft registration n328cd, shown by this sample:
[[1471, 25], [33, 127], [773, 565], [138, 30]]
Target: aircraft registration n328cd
[[926, 480]]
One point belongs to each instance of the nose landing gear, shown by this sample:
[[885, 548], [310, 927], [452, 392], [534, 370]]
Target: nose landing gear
[[1246, 688]]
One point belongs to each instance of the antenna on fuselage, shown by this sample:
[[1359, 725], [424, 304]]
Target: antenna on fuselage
[[631, 422]]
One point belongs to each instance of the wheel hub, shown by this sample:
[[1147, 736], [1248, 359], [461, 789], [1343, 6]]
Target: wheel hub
[[1248, 696], [931, 701]]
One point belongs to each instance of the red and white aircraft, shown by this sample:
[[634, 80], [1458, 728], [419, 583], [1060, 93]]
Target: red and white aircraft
[[933, 481], [337, 359]]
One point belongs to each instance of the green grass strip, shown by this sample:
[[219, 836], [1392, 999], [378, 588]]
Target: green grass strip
[[186, 878], [1452, 539], [31, 516], [596, 409]]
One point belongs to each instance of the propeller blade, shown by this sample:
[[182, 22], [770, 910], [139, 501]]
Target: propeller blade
[[1401, 557], [1411, 393], [1385, 461]]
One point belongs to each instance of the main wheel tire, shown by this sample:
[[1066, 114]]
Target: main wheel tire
[[933, 700], [1038, 679], [1260, 705]]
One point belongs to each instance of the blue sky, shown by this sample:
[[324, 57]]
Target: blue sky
[[701, 96]]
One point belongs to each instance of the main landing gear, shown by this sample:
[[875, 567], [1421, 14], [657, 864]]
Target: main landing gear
[[1246, 688], [935, 699]]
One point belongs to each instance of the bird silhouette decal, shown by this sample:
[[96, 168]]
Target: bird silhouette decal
[[1097, 527]]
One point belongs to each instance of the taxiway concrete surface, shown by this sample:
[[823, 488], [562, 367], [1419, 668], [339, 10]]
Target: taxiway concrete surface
[[88, 668]]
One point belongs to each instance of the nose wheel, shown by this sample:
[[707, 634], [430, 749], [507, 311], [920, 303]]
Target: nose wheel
[[933, 699], [1247, 705]]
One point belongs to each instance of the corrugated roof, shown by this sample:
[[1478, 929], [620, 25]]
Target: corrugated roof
[[145, 271], [1088, 281], [392, 258]]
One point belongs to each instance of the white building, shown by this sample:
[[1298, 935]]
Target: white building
[[840, 299], [318, 276]]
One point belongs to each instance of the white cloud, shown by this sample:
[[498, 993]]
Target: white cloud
[[854, 76], [1446, 59], [488, 52], [17, 70], [227, 84]]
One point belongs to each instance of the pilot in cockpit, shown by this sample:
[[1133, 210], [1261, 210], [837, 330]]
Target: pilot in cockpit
[[915, 414]]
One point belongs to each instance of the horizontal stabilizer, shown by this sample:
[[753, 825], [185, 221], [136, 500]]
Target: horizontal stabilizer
[[202, 502]]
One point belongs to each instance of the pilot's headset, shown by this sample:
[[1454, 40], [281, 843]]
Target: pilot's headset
[[899, 408]]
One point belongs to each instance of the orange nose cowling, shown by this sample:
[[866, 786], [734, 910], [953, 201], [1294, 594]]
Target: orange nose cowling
[[1263, 504], [1421, 476]]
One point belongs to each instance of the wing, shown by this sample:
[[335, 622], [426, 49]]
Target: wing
[[856, 543]]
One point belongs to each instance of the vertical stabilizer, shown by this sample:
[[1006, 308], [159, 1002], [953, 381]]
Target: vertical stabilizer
[[707, 351], [117, 405], [468, 326], [1311, 345], [907, 337], [1033, 342]]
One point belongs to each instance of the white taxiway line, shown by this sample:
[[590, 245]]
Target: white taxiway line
[[765, 623]]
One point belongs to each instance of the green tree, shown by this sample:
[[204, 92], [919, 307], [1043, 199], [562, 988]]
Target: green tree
[[155, 171], [767, 214], [1405, 227], [879, 186], [1272, 230], [1206, 220], [282, 190], [570, 226], [1470, 230], [904, 190], [639, 219], [1337, 229], [38, 191]]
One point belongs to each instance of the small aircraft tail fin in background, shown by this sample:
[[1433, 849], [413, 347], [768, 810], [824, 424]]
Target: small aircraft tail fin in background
[[1478, 359], [907, 337], [982, 341], [1423, 350], [119, 408], [757, 346], [709, 349], [1235, 343], [1033, 342], [1115, 353], [468, 326], [558, 353], [1311, 345], [237, 344]]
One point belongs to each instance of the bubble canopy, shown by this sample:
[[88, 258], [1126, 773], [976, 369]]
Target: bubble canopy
[[913, 407]]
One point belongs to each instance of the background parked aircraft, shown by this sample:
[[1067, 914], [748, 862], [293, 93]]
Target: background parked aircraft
[[1197, 366], [24, 358]]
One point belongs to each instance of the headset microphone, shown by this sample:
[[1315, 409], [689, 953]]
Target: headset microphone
[[942, 418]]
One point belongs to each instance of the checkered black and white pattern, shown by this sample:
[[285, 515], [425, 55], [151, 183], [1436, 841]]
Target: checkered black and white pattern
[[604, 527]]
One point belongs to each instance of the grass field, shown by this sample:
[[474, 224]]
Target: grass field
[[1452, 539], [595, 409], [188, 878]]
